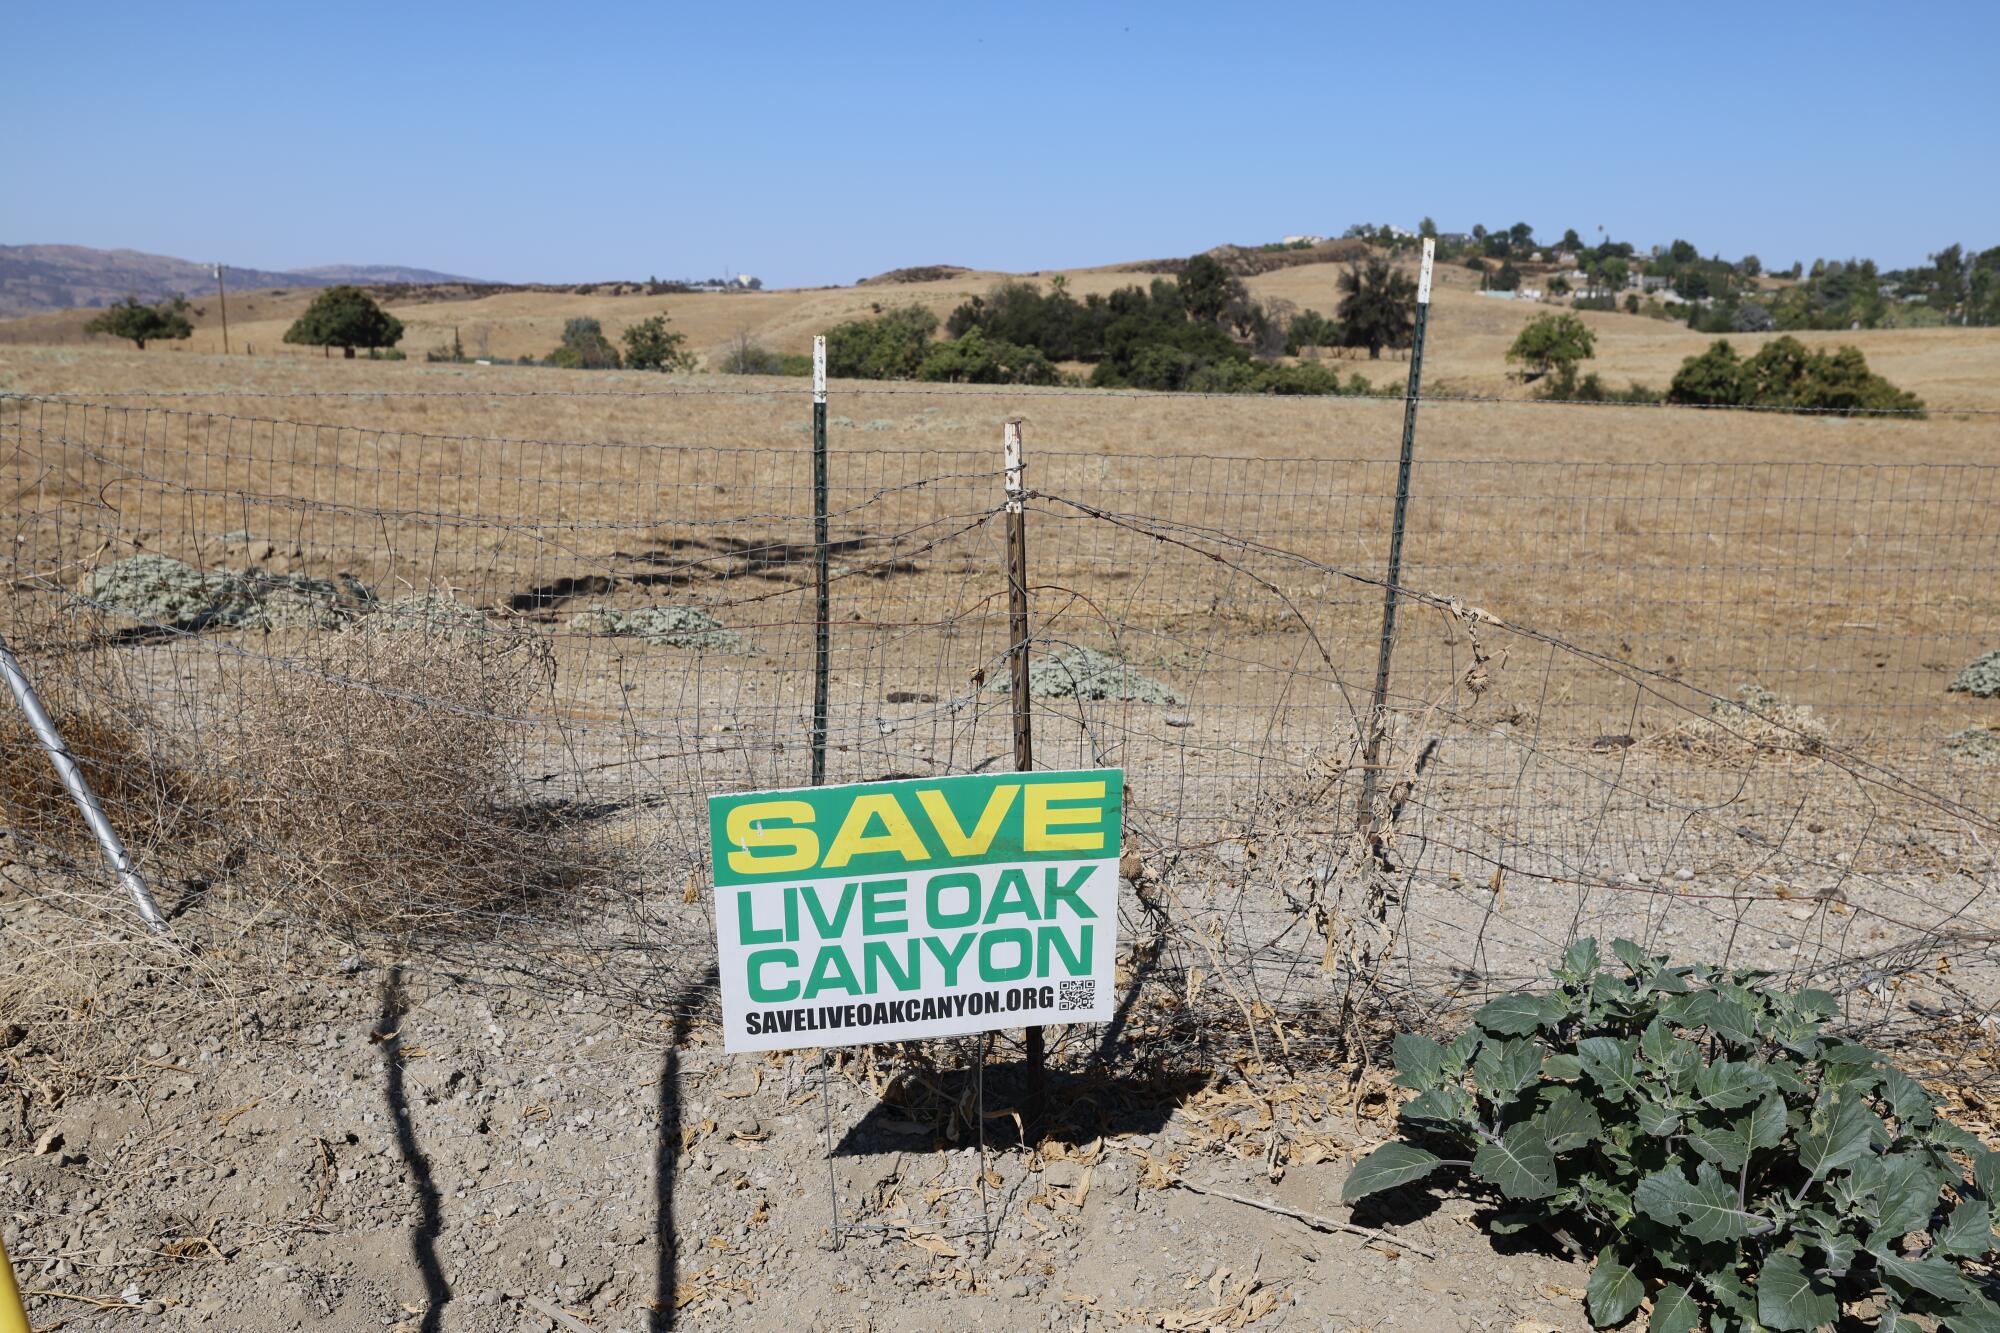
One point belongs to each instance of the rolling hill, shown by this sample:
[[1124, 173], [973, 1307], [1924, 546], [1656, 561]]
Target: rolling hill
[[37, 278]]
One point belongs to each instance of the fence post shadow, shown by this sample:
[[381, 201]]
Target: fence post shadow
[[423, 1238], [667, 1152]]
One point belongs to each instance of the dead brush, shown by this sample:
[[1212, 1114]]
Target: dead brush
[[373, 783], [158, 807]]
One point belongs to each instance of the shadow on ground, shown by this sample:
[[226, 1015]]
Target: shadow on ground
[[667, 1151], [423, 1240]]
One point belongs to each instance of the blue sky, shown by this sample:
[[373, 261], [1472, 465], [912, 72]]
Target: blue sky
[[823, 143]]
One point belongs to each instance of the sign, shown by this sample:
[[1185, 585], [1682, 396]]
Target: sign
[[892, 911]]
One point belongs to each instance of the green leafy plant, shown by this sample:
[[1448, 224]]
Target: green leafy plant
[[1711, 1143]]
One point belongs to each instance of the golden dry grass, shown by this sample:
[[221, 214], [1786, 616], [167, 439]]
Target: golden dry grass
[[1466, 348]]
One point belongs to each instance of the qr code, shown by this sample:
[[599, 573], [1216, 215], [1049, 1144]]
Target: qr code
[[1077, 995]]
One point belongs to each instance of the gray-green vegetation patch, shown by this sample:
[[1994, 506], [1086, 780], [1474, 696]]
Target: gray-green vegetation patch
[[1982, 678], [1077, 672], [662, 626], [1978, 745], [160, 590], [428, 613]]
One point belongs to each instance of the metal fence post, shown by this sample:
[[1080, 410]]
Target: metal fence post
[[86, 800], [1017, 668], [1378, 720], [822, 604]]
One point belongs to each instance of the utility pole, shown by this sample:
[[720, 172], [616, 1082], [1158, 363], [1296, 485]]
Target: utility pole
[[222, 300]]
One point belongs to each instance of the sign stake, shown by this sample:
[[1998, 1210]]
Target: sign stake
[[832, 1185], [1017, 666]]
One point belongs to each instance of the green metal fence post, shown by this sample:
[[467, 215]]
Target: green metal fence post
[[1378, 720], [822, 610]]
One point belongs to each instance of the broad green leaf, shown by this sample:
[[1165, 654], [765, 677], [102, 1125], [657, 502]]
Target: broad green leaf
[[1789, 1299], [1843, 1131], [1711, 1210], [1441, 1108], [1658, 1119], [1786, 1075], [1732, 1018], [1632, 956], [1986, 1172], [1816, 1004], [1579, 960], [1824, 1234], [1968, 1232], [1719, 1139], [1614, 1291], [1562, 1068], [1729, 1141], [1388, 1166], [1657, 1042], [1933, 1277], [1568, 1121], [1851, 1053], [1907, 1099], [1609, 1063], [1504, 1068], [1907, 1196], [1674, 1311], [1517, 1015], [1663, 1195], [1977, 1315], [1730, 1294], [1420, 1062], [1728, 1084], [1675, 1060], [1672, 981], [1950, 1137], [1520, 1163], [1908, 1102]]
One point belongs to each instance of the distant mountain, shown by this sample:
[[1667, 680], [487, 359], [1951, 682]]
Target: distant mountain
[[34, 278], [332, 273]]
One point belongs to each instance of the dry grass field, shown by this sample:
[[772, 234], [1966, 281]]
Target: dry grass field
[[1466, 354]]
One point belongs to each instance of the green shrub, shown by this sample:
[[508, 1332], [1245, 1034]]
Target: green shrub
[[584, 347], [1710, 1143], [748, 358], [1785, 373], [977, 359], [889, 347], [651, 345]]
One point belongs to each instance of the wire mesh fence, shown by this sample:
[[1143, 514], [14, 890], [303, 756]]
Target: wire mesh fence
[[377, 663]]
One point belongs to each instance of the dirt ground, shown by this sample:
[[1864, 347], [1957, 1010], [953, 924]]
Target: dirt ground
[[364, 1146]]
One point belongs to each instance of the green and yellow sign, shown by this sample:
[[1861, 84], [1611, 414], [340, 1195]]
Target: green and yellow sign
[[889, 911]]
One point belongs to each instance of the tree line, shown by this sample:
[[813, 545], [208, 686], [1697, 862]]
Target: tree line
[[1199, 331]]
